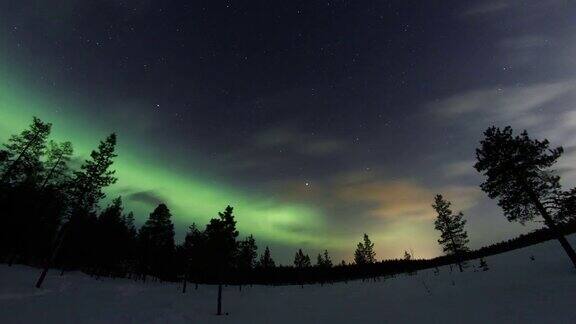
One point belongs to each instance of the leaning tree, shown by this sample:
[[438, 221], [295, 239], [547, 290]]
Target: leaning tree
[[518, 173]]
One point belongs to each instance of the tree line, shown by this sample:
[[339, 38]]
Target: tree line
[[51, 218]]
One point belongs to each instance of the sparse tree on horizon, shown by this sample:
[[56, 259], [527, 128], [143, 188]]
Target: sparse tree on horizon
[[301, 260], [364, 253], [453, 236], [266, 261]]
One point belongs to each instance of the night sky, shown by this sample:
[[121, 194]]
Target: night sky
[[317, 120]]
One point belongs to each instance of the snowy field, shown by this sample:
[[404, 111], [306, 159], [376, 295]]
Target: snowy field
[[514, 290]]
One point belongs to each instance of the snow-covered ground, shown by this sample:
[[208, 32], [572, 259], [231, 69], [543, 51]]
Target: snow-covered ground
[[514, 290]]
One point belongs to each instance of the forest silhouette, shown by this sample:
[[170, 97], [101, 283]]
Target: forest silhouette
[[51, 219]]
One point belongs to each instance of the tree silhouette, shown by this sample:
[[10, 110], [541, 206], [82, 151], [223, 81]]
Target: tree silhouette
[[59, 155], [112, 239], [221, 246], [564, 206], [364, 253], [157, 243], [323, 260], [193, 252], [266, 261], [453, 237], [85, 190], [518, 174], [95, 175], [55, 177], [23, 153], [247, 253], [301, 260]]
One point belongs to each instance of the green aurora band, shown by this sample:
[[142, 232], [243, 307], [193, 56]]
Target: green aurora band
[[192, 198], [191, 195]]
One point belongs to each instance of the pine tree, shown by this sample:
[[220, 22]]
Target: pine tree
[[21, 171], [86, 189], [222, 247], [130, 246], [111, 239], [518, 173], [47, 196], [194, 243], [247, 253], [564, 206], [323, 260], [301, 260], [57, 169], [364, 253], [94, 176], [266, 261], [221, 242], [157, 243], [24, 152], [327, 260], [128, 220], [453, 237], [193, 253]]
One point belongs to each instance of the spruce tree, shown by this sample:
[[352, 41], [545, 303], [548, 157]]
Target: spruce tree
[[247, 253], [221, 246], [518, 173], [193, 253], [301, 260], [266, 261], [364, 253], [453, 236], [111, 237], [130, 246], [323, 260], [157, 243]]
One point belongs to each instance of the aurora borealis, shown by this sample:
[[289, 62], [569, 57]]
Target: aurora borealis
[[316, 121]]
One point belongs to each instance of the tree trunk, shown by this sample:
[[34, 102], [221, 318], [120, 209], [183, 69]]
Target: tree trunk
[[52, 257], [184, 286], [552, 226], [219, 310]]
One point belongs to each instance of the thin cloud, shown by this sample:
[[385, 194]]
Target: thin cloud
[[404, 198], [285, 137], [149, 197], [488, 7], [503, 103], [459, 169], [524, 42]]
